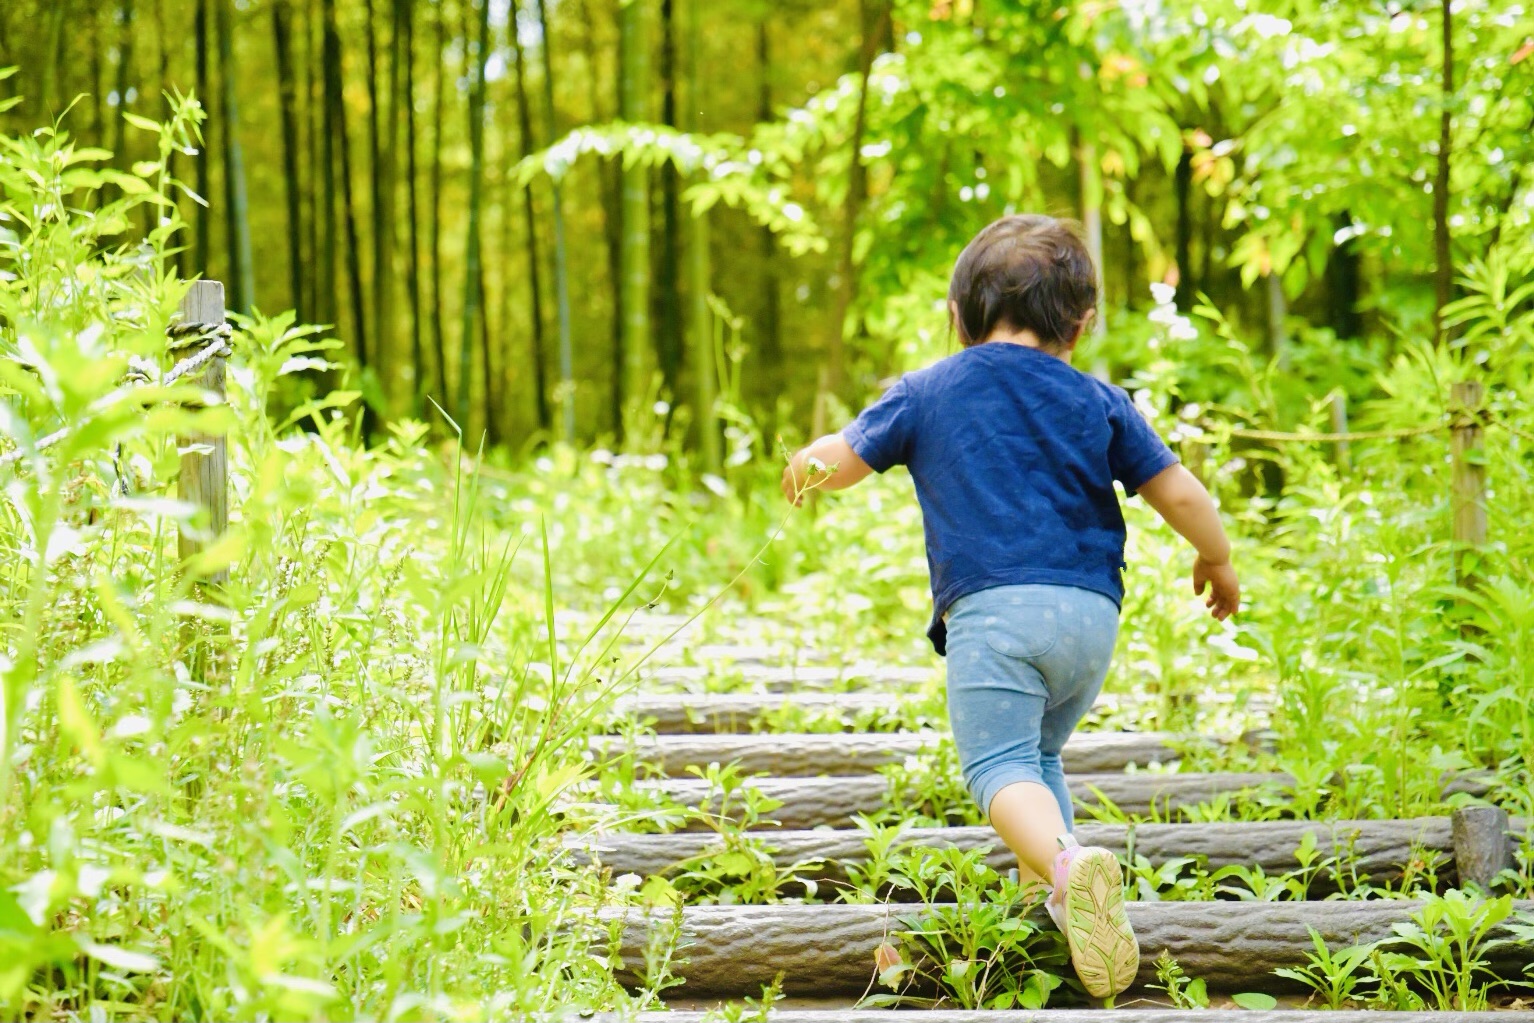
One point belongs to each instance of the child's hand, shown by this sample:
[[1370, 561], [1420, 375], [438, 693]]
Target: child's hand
[[793, 489], [828, 464], [1224, 597]]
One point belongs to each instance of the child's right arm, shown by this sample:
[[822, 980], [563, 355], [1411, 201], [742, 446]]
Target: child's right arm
[[1181, 500], [837, 468]]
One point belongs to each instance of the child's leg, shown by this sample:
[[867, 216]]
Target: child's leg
[[996, 704], [1025, 664], [1026, 816]]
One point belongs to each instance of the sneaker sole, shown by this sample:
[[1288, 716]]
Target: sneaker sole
[[1103, 947]]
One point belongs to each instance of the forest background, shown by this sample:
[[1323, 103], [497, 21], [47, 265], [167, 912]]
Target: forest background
[[669, 232], [795, 178]]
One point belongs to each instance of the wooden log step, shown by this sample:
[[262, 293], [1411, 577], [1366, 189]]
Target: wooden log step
[[694, 713], [735, 712], [1087, 1016], [780, 678], [804, 755], [828, 950], [831, 802], [1376, 851]]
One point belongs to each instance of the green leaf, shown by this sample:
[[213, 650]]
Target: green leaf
[[1255, 1000], [139, 121], [119, 958]]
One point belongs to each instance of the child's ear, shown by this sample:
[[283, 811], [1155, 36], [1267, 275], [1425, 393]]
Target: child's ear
[[1081, 328]]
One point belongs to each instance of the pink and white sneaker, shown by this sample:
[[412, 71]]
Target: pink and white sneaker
[[1087, 905]]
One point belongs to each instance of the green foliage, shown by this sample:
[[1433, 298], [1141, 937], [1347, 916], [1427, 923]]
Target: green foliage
[[981, 947], [1185, 992], [335, 797], [1335, 978]]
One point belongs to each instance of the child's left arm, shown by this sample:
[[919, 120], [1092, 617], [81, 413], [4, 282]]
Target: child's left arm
[[839, 468]]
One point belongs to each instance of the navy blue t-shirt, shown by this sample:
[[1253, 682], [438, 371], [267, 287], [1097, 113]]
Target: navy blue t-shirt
[[1014, 454]]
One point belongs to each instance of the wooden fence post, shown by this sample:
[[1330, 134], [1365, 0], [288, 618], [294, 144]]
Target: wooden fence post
[[1340, 426], [1482, 848], [1468, 500], [204, 476]]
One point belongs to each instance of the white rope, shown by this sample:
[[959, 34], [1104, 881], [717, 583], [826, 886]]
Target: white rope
[[216, 336]]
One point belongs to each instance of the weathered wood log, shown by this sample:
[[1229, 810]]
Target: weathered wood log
[[735, 712], [828, 950], [1483, 844], [820, 802], [774, 678], [701, 713], [804, 755], [1373, 851], [1213, 1015]]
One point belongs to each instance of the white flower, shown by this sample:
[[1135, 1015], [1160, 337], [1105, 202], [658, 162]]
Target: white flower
[[1162, 294]]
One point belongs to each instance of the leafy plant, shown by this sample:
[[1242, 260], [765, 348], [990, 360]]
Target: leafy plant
[[1185, 992], [983, 949], [1449, 936], [1335, 978]]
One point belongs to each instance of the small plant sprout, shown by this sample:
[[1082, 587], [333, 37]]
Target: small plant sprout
[[1185, 992]]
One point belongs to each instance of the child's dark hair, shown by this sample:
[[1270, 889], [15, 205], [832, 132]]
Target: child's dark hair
[[1026, 272]]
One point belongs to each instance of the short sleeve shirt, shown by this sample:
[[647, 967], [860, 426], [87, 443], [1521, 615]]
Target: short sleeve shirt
[[1014, 454]]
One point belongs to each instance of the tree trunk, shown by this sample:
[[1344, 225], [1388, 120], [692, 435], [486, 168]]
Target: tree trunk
[[380, 174], [700, 322], [287, 106], [52, 86], [561, 260], [439, 347], [327, 305], [163, 65], [241, 270], [1092, 224], [1133, 286], [124, 83], [488, 392], [1182, 187], [668, 304], [334, 100], [530, 234], [1443, 275], [1278, 318], [1208, 237], [98, 89], [612, 215], [634, 90], [321, 276], [203, 248], [1343, 272], [770, 331], [875, 20], [471, 288], [404, 13]]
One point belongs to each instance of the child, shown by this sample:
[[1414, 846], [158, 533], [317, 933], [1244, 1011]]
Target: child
[[1014, 454]]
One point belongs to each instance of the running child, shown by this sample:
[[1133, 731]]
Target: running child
[[1014, 454]]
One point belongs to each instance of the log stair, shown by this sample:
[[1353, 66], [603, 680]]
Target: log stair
[[825, 951]]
